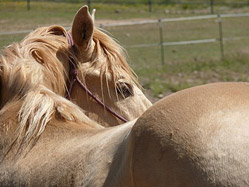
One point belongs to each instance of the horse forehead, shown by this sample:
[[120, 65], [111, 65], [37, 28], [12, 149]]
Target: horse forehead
[[88, 70]]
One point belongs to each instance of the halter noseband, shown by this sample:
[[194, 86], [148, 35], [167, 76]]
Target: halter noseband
[[73, 77]]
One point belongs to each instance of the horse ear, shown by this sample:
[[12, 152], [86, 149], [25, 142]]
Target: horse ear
[[82, 28]]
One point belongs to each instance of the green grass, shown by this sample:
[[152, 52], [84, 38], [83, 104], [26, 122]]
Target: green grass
[[185, 66], [181, 31], [174, 77]]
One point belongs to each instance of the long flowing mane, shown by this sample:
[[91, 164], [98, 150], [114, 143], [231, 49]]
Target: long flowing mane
[[115, 62], [116, 55], [35, 60], [34, 71]]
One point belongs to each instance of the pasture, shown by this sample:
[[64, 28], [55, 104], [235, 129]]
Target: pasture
[[185, 66]]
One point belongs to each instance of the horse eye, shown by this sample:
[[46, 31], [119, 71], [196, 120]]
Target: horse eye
[[124, 89]]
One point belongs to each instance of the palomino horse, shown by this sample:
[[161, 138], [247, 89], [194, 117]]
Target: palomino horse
[[105, 72], [196, 137], [43, 57]]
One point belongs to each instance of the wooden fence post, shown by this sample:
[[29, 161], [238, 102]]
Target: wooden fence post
[[212, 6], [161, 40], [221, 36], [150, 5], [28, 4]]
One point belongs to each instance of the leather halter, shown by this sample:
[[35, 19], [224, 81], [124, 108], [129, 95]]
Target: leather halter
[[73, 77]]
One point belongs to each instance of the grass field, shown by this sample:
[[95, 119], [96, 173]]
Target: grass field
[[185, 66]]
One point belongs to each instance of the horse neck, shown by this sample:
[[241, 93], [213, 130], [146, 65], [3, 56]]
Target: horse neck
[[8, 126], [25, 120], [72, 146]]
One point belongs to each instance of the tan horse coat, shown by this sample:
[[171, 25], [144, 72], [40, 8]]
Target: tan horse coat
[[33, 112], [67, 153], [196, 137]]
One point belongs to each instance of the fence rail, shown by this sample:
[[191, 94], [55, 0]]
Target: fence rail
[[151, 3], [174, 19], [146, 22], [211, 40], [221, 39], [162, 43]]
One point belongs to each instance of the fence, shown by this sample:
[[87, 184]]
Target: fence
[[162, 43], [151, 3], [160, 22]]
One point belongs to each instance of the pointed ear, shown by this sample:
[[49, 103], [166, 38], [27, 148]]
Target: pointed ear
[[82, 28]]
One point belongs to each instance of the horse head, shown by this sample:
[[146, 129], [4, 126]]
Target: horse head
[[103, 68], [33, 76], [44, 58]]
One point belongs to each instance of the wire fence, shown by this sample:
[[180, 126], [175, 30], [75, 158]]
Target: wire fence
[[190, 2], [221, 39], [151, 3], [162, 26]]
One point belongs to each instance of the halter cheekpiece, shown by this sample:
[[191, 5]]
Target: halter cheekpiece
[[73, 77]]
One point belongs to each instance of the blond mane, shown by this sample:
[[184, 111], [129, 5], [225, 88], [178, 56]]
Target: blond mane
[[117, 56], [115, 62], [35, 58], [109, 61], [34, 71]]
